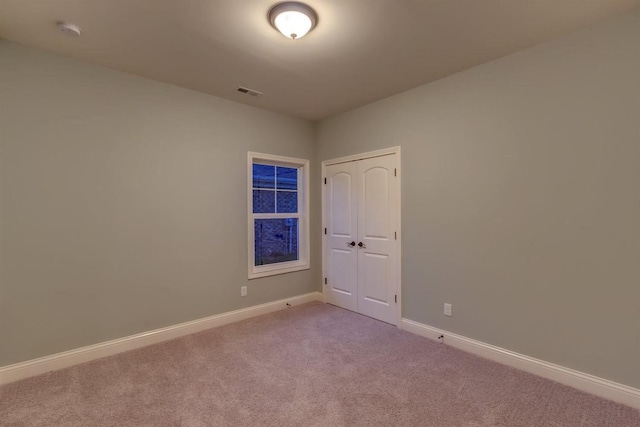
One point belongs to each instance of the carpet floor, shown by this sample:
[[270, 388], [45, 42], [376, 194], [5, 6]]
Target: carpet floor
[[311, 365]]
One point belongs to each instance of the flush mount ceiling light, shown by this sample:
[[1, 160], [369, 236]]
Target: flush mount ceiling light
[[293, 19], [69, 29]]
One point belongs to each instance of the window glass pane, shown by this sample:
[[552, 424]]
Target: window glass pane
[[264, 201], [276, 240], [287, 178], [287, 202], [264, 176]]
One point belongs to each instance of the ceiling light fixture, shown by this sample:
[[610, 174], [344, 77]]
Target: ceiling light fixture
[[69, 29], [292, 19]]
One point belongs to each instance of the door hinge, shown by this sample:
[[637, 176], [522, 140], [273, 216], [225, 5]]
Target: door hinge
[[396, 299], [325, 280], [325, 181], [325, 230], [395, 172]]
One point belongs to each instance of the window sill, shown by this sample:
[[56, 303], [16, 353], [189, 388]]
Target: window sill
[[275, 271]]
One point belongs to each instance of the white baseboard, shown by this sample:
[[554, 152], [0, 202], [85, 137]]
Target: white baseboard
[[57, 361], [588, 383]]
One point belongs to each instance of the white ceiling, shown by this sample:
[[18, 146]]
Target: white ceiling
[[361, 50]]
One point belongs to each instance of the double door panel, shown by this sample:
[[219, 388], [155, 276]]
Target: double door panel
[[361, 200]]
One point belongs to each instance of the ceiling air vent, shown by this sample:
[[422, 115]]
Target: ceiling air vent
[[249, 91]]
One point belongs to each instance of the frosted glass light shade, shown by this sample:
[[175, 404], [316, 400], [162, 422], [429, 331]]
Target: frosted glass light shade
[[293, 24], [292, 19]]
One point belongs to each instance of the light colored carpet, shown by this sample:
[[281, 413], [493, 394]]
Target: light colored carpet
[[312, 365]]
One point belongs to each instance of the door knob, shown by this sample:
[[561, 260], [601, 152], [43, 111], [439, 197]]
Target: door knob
[[362, 245], [352, 244]]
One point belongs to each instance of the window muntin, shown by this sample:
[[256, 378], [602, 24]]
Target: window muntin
[[275, 189]]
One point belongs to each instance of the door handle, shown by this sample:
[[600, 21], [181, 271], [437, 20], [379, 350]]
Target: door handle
[[352, 244], [362, 245]]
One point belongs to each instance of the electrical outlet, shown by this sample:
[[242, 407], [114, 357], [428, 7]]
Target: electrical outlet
[[448, 309], [243, 291]]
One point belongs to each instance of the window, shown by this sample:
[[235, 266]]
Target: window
[[278, 190]]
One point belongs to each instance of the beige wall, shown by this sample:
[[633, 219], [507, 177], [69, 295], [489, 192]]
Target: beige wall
[[123, 203], [521, 198]]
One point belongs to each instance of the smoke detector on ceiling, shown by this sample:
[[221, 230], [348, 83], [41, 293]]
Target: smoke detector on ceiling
[[248, 91], [69, 29]]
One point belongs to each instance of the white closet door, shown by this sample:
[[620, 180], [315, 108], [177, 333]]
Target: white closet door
[[341, 252], [377, 256]]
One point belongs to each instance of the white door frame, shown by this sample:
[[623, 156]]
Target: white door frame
[[353, 158]]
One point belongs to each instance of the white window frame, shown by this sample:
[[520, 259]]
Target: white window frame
[[303, 262]]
